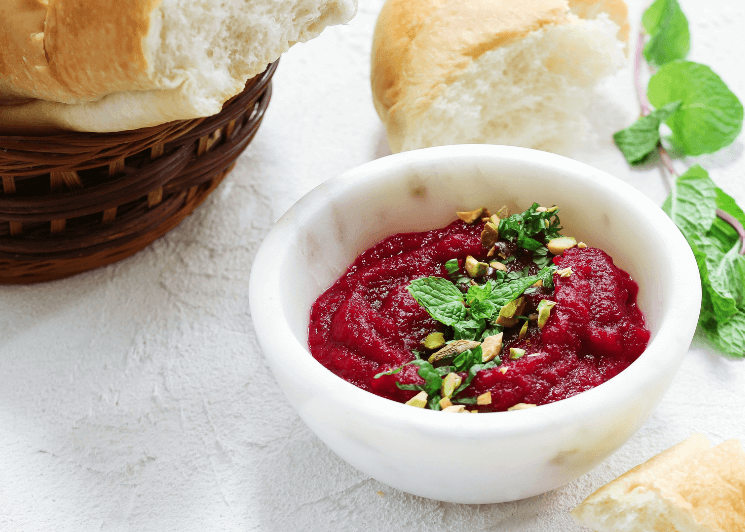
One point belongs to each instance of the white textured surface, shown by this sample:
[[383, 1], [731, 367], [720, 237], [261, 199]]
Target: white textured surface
[[135, 397]]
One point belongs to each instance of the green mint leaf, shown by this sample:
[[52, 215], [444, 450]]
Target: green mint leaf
[[478, 292], [432, 380], [466, 400], [491, 331], [433, 402], [640, 139], [452, 266], [692, 202], [729, 336], [710, 116], [530, 227], [440, 298], [722, 232], [542, 257], [507, 292], [442, 371], [472, 373], [668, 29], [468, 329], [409, 387], [482, 310], [467, 359]]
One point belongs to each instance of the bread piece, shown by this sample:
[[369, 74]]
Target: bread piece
[[512, 72], [112, 65], [691, 487]]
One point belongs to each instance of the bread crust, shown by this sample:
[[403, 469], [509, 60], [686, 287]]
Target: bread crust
[[421, 46], [74, 51], [691, 487], [113, 65]]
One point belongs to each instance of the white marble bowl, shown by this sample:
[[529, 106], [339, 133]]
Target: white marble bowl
[[463, 458]]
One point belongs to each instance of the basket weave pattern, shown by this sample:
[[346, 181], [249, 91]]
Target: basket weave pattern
[[75, 201]]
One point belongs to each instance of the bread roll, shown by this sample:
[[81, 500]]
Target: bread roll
[[112, 65], [691, 487], [514, 72]]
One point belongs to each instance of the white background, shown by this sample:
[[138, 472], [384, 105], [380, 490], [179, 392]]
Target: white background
[[135, 397]]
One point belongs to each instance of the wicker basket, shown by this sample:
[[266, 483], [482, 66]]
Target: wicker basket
[[75, 201]]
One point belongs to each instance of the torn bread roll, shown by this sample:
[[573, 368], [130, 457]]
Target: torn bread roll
[[516, 72], [691, 487], [104, 65]]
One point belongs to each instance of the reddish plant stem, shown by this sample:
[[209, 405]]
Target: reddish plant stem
[[665, 158]]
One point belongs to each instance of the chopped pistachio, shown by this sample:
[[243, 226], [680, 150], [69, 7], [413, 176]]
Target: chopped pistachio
[[504, 369], [449, 384], [581, 245], [475, 268], [471, 216], [508, 311], [434, 340], [492, 252], [553, 208], [544, 311], [541, 209], [516, 353], [445, 402], [506, 322], [491, 347], [559, 245], [504, 212], [566, 272], [458, 409], [523, 330], [484, 399], [498, 266], [474, 411], [489, 235], [453, 349], [533, 317], [538, 283], [521, 406], [419, 400]]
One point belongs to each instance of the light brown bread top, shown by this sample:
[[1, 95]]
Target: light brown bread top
[[421, 46], [691, 487], [108, 65]]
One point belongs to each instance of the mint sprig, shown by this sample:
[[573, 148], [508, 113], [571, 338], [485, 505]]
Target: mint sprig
[[704, 116], [531, 227], [667, 27]]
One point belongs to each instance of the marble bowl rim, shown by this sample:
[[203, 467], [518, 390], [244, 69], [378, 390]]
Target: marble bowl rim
[[281, 346]]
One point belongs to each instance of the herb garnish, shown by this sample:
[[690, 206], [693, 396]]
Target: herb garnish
[[704, 116], [471, 310]]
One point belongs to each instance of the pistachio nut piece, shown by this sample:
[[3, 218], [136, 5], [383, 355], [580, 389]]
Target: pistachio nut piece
[[484, 399], [581, 245], [491, 347], [498, 266], [434, 340], [523, 331], [544, 311], [453, 349], [565, 272], [444, 403], [557, 246], [475, 268], [521, 406], [504, 212], [471, 216], [516, 353], [489, 235], [457, 409], [449, 384], [419, 400]]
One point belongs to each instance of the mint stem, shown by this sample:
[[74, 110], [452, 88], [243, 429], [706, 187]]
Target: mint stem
[[665, 158]]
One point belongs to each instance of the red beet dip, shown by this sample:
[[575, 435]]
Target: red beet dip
[[368, 323]]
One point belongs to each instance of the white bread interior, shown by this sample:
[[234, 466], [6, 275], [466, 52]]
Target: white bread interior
[[493, 71], [97, 65], [691, 487]]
